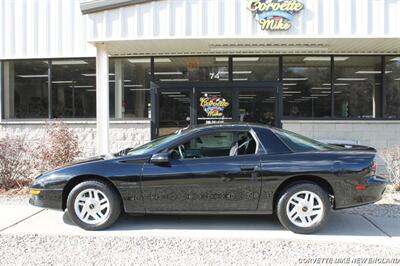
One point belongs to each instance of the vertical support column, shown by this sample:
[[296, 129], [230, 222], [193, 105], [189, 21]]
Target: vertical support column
[[119, 89], [8, 90], [1, 91], [102, 99]]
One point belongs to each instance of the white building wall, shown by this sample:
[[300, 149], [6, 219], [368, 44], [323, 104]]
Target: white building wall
[[43, 29], [230, 18]]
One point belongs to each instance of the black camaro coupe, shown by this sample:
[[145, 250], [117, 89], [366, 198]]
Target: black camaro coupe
[[218, 169]]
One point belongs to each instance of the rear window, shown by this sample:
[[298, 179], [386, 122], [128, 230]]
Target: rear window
[[299, 143], [271, 143]]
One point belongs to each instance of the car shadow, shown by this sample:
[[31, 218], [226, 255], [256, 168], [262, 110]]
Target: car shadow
[[341, 223]]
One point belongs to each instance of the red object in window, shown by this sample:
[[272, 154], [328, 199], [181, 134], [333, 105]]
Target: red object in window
[[360, 187]]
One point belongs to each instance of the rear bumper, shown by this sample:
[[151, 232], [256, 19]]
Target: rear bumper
[[374, 188], [47, 198]]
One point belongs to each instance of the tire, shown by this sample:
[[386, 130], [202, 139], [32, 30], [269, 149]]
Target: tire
[[93, 205], [311, 211]]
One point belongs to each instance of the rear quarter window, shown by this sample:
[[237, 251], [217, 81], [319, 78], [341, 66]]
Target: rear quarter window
[[271, 143]]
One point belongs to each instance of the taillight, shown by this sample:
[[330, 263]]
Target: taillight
[[374, 168]]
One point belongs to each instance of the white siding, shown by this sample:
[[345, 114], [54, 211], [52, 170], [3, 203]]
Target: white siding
[[57, 28], [43, 29], [230, 18]]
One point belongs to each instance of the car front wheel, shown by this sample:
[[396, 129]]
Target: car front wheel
[[303, 208], [93, 205]]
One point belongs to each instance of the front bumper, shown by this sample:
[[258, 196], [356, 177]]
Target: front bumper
[[374, 188], [47, 198]]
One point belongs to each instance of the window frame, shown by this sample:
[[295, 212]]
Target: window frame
[[259, 147]]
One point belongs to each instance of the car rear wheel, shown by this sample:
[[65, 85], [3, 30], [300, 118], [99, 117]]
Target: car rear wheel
[[303, 208], [93, 205]]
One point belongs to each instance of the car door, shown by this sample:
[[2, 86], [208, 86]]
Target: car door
[[211, 176]]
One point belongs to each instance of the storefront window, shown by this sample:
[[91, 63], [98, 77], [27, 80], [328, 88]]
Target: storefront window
[[392, 87], [357, 86], [204, 68], [129, 88], [25, 86], [306, 86], [255, 68], [73, 91]]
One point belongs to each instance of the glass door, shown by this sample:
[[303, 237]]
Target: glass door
[[178, 105], [213, 106], [174, 110], [258, 106]]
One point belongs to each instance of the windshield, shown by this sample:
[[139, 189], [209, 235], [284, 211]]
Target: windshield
[[299, 143], [153, 144]]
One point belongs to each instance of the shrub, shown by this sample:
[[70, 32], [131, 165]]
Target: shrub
[[59, 147], [16, 163], [392, 161]]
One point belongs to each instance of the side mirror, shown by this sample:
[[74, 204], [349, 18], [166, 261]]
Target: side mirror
[[160, 158]]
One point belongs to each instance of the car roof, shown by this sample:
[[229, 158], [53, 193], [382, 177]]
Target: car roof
[[228, 125]]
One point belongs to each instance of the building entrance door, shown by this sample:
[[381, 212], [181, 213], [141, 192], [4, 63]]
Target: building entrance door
[[180, 104]]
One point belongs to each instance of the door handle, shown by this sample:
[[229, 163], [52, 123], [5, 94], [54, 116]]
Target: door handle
[[248, 168]]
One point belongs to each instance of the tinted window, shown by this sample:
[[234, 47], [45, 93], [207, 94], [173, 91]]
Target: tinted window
[[271, 143], [300, 143], [216, 144]]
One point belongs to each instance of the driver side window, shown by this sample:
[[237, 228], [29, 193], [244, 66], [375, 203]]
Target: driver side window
[[216, 144]]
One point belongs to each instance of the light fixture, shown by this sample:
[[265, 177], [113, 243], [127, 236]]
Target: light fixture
[[94, 74], [174, 79], [328, 92], [309, 97], [139, 89], [292, 92], [372, 72], [82, 86], [67, 62], [33, 76], [125, 80], [90, 90], [247, 95], [168, 73], [335, 84], [139, 60], [134, 86], [351, 79], [294, 78], [319, 95], [240, 79], [395, 59], [325, 58], [397, 79], [170, 92], [320, 88], [62, 81], [289, 84]]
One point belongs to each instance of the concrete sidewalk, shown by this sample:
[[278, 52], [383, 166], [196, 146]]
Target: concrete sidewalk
[[16, 219]]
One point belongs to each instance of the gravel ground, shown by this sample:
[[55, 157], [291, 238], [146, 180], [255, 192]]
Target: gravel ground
[[56, 250], [80, 250]]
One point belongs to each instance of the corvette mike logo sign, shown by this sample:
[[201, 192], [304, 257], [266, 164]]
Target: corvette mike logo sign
[[213, 106], [274, 15]]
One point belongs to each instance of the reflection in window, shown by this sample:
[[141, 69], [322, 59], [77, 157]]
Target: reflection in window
[[306, 86], [204, 68], [392, 87], [357, 86], [129, 88], [255, 68], [25, 89], [74, 88]]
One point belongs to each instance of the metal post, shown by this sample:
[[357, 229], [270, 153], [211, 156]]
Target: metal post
[[102, 98]]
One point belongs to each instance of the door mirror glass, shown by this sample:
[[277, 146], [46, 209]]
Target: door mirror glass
[[160, 158]]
